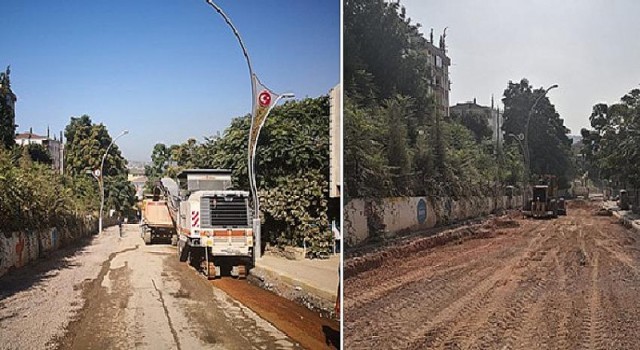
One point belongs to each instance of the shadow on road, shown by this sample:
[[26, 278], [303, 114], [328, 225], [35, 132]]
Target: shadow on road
[[46, 266], [332, 336]]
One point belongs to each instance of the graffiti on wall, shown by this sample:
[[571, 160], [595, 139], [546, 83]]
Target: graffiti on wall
[[19, 248], [388, 217]]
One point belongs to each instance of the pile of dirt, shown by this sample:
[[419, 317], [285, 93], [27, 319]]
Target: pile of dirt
[[360, 264], [501, 222], [602, 212], [578, 204]]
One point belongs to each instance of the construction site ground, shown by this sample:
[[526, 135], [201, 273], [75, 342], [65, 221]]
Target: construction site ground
[[508, 283], [110, 292]]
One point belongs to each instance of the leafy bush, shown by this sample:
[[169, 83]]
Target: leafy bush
[[292, 168], [33, 196]]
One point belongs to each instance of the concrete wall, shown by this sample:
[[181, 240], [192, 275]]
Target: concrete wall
[[391, 216], [19, 248], [355, 223]]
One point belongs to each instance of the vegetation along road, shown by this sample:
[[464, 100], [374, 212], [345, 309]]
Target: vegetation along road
[[509, 283]]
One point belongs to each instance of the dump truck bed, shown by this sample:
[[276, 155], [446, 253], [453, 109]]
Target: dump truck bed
[[156, 214]]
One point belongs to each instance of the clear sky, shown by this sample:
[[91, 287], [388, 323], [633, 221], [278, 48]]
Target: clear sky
[[589, 48], [164, 70]]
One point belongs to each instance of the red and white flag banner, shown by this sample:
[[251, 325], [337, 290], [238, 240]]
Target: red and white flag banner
[[264, 101]]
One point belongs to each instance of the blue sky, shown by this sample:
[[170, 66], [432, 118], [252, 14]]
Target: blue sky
[[164, 70]]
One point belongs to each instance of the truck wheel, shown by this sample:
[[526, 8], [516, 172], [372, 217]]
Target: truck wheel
[[147, 238], [212, 271], [195, 258], [183, 251], [242, 272]]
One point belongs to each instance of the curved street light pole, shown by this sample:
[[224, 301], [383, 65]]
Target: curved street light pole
[[526, 142], [101, 178], [258, 117]]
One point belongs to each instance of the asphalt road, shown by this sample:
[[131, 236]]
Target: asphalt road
[[116, 293], [511, 283]]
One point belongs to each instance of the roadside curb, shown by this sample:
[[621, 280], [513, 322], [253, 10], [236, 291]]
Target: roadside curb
[[266, 274]]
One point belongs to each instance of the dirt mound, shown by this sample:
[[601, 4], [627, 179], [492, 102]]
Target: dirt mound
[[501, 222], [602, 212], [578, 204], [357, 265]]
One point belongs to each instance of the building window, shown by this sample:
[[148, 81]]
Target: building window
[[438, 62]]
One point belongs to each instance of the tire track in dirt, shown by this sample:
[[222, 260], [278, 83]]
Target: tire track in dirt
[[565, 283], [403, 310], [509, 321], [597, 328], [371, 289], [460, 314]]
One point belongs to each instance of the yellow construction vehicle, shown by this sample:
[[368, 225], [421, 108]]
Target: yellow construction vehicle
[[545, 201]]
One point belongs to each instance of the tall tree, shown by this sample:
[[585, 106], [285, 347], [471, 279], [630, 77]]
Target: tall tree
[[475, 121], [7, 111], [85, 145], [397, 111], [292, 167], [613, 145], [549, 145], [160, 158]]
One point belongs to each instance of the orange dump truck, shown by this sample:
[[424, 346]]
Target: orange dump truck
[[157, 223]]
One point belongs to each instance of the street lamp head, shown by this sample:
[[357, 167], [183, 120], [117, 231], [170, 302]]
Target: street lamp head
[[288, 95]]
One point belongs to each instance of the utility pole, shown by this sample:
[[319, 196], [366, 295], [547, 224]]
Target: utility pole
[[499, 156]]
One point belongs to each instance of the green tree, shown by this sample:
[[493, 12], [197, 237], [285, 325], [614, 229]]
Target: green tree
[[120, 194], [549, 145], [292, 166], [7, 112], [160, 160], [397, 111], [366, 169], [33, 196], [612, 146], [395, 140], [186, 155], [39, 153], [475, 121], [85, 145]]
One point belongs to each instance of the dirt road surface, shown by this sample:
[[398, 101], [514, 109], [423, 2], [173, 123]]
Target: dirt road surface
[[512, 283], [117, 293]]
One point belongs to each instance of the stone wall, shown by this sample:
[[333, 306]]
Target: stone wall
[[364, 219], [19, 248]]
